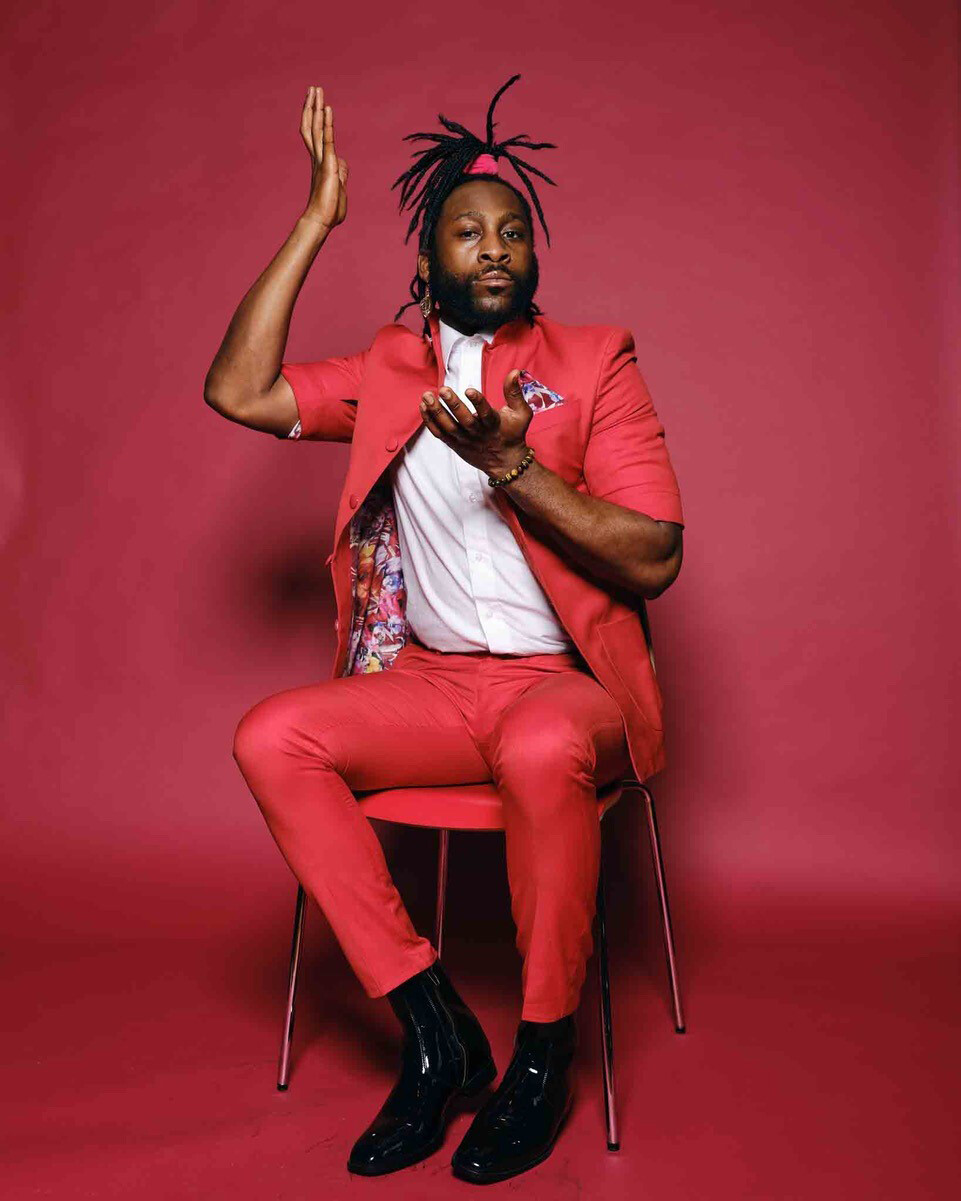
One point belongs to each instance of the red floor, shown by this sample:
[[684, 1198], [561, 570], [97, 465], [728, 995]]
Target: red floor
[[821, 1059]]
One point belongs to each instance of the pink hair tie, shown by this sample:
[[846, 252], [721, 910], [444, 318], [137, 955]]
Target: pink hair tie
[[483, 162]]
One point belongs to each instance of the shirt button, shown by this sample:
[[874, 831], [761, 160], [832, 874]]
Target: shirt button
[[478, 556], [475, 496]]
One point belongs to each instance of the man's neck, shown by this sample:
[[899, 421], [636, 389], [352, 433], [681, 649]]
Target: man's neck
[[458, 327]]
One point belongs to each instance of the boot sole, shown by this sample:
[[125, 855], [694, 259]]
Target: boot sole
[[481, 1078], [478, 1177]]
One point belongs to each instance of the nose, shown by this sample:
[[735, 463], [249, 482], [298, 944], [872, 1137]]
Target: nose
[[494, 251]]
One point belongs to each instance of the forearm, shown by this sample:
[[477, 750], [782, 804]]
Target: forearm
[[617, 544], [250, 356]]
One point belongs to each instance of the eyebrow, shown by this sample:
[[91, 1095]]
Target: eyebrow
[[510, 216]]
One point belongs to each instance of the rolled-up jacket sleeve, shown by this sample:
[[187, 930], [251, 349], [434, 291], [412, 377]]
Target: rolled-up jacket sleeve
[[626, 460], [326, 393]]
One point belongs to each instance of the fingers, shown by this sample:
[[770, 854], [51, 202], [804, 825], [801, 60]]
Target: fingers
[[305, 121], [317, 123], [330, 163], [460, 422], [438, 418], [457, 406], [317, 130], [512, 383], [485, 414]]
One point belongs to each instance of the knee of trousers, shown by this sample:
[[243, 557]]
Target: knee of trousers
[[269, 730], [530, 765]]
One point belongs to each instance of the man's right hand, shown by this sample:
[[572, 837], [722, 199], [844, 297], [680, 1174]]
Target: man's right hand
[[328, 184]]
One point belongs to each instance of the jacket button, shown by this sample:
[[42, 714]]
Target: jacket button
[[352, 500], [391, 444], [337, 624]]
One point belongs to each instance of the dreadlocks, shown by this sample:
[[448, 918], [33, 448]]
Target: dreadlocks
[[448, 163]]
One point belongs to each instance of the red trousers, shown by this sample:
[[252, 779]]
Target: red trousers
[[540, 726]]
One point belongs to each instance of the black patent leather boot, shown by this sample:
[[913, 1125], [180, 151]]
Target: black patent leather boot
[[444, 1053], [518, 1124]]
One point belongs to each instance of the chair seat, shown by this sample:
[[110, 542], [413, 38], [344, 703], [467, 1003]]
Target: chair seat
[[458, 806]]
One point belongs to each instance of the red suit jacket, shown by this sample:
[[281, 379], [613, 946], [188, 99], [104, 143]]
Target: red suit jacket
[[594, 425]]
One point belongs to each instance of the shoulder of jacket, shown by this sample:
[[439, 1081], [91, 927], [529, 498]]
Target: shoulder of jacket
[[395, 332], [592, 337]]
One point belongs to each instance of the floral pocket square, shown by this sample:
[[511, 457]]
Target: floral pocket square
[[538, 395]]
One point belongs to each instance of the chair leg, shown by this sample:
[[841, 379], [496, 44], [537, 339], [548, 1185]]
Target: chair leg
[[607, 1029], [443, 847], [665, 910], [296, 944]]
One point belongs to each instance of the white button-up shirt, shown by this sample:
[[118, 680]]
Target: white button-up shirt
[[469, 587]]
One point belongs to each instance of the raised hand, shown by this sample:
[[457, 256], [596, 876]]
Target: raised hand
[[327, 203]]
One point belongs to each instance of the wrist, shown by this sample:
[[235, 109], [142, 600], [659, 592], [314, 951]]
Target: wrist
[[514, 466], [313, 225]]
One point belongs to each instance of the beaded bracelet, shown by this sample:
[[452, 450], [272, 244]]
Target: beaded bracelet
[[521, 467]]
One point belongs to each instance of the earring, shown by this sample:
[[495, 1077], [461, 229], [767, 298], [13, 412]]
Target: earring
[[426, 303]]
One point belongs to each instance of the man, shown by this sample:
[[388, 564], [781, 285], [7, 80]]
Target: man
[[491, 561]]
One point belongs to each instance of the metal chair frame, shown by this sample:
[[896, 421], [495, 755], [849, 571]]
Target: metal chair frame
[[607, 1030]]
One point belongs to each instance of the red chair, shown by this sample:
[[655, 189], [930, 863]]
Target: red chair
[[478, 807]]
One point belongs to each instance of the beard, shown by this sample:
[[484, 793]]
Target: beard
[[458, 299]]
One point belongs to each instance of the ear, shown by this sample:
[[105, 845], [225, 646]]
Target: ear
[[422, 267]]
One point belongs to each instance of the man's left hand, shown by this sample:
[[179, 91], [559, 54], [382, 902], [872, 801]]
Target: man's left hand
[[493, 440]]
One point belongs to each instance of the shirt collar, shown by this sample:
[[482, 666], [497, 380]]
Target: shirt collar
[[449, 337]]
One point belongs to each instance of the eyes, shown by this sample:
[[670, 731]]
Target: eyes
[[513, 234]]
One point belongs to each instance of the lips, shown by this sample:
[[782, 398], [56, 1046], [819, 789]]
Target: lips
[[496, 277]]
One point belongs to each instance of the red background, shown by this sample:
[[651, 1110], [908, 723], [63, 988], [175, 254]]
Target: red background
[[767, 196]]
